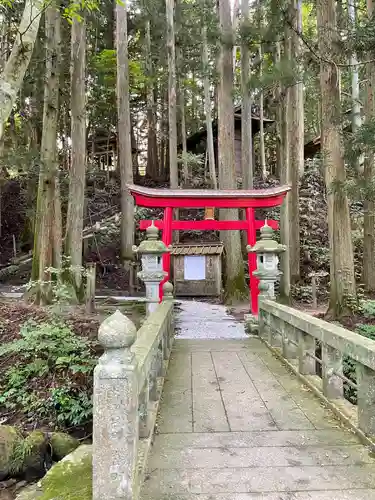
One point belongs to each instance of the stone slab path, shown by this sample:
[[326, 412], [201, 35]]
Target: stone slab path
[[236, 425], [202, 320]]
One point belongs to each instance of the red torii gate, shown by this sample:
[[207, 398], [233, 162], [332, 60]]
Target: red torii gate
[[168, 199]]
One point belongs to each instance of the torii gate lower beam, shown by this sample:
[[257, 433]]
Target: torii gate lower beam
[[178, 198]]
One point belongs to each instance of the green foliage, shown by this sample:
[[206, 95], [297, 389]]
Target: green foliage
[[105, 64], [21, 451], [362, 38], [75, 9], [50, 375], [368, 308], [60, 288], [349, 366]]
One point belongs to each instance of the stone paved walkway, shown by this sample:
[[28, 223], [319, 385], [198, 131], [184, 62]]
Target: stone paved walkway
[[235, 425], [202, 320]]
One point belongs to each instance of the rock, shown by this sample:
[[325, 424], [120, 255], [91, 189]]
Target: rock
[[26, 457], [37, 456], [62, 444], [10, 439], [69, 479]]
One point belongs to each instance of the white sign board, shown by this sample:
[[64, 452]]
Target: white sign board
[[194, 267]]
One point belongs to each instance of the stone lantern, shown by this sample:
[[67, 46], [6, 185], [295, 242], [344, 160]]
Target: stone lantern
[[151, 251], [267, 250]]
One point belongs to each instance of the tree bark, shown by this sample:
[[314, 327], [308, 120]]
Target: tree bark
[[124, 136], [369, 172], [77, 177], [235, 287], [246, 123], [236, 15], [208, 109], [356, 106], [172, 95], [44, 244], [152, 168], [181, 99], [283, 118], [296, 144], [16, 66], [261, 121], [342, 286]]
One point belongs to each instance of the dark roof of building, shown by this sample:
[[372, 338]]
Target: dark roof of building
[[255, 121]]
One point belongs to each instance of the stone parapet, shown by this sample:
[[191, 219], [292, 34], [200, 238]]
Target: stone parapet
[[316, 350], [127, 387]]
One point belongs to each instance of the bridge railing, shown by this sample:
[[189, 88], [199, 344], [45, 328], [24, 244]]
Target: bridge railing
[[317, 350], [127, 388]]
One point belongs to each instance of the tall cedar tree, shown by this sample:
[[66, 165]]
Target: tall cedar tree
[[342, 285], [235, 287], [124, 135], [77, 175]]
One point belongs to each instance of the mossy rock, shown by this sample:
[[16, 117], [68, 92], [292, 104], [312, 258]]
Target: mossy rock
[[69, 479], [10, 439], [23, 457], [37, 456], [62, 444]]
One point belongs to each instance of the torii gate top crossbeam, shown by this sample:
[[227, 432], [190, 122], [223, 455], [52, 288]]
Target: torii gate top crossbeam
[[200, 198]]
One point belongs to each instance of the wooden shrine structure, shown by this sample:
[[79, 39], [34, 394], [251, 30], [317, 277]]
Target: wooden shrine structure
[[168, 199]]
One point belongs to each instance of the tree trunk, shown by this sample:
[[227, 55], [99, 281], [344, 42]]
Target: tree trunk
[[134, 146], [57, 226], [356, 106], [208, 109], [261, 121], [48, 175], [185, 165], [283, 118], [342, 287], [296, 144], [163, 157], [235, 287], [246, 123], [15, 68], [172, 95], [181, 99], [369, 172], [124, 136], [152, 168], [236, 15], [77, 177]]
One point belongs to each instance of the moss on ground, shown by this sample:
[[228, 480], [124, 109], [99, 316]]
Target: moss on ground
[[69, 479], [62, 444], [10, 440]]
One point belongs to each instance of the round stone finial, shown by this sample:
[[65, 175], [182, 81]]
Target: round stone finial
[[117, 331], [152, 232], [168, 290], [266, 232]]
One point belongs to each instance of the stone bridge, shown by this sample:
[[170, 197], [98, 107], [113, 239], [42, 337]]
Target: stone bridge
[[191, 407]]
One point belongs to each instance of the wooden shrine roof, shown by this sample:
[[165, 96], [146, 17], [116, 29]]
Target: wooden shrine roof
[[197, 249]]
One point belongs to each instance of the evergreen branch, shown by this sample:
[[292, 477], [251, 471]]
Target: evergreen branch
[[315, 53], [45, 7]]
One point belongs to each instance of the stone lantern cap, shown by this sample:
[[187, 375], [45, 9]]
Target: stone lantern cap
[[266, 244], [152, 245]]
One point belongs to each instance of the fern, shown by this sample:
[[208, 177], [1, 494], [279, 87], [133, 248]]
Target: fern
[[50, 365]]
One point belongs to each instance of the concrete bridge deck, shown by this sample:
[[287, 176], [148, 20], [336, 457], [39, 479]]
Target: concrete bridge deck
[[236, 425]]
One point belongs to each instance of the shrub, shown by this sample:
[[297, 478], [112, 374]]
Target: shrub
[[49, 374]]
